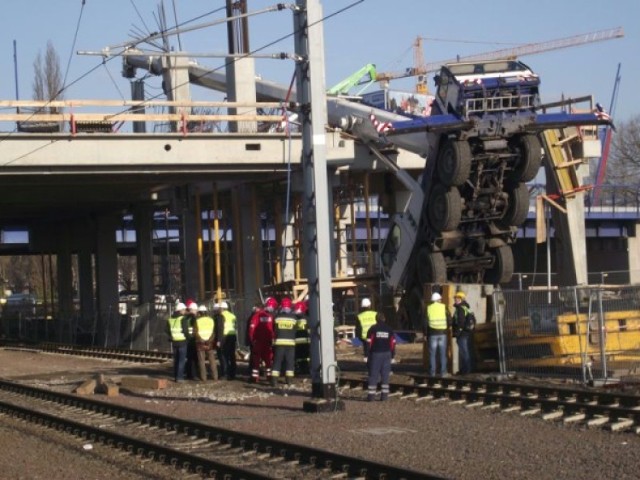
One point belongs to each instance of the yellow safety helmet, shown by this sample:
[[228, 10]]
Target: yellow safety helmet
[[460, 295]]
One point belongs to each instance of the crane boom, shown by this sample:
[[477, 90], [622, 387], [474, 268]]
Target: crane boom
[[522, 50]]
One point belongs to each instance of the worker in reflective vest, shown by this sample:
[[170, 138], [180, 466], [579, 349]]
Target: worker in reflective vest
[[437, 321], [366, 320], [227, 339], [285, 342], [178, 330], [205, 344]]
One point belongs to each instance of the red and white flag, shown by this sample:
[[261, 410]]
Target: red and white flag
[[381, 127]]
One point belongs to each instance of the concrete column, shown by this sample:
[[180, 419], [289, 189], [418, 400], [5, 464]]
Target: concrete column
[[140, 330], [248, 242], [108, 325], [633, 253], [189, 250], [143, 218], [240, 72], [176, 85], [66, 330], [85, 286]]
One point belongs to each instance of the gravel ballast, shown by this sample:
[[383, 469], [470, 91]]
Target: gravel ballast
[[434, 437]]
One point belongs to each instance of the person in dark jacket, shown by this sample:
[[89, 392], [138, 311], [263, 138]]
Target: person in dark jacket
[[284, 343], [191, 366], [227, 338], [382, 345], [178, 331], [463, 324]]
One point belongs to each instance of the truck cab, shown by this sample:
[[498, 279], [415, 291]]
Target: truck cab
[[479, 88]]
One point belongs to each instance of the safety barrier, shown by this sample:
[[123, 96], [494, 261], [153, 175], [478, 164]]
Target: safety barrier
[[583, 333]]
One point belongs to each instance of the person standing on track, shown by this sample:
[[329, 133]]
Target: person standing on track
[[192, 358], [285, 342], [382, 345], [178, 330], [261, 333], [437, 321], [227, 335], [303, 340], [366, 319], [463, 324], [205, 344]]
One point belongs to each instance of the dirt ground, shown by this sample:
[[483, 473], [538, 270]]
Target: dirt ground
[[436, 437]]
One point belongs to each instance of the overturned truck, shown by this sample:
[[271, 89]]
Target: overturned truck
[[482, 143]]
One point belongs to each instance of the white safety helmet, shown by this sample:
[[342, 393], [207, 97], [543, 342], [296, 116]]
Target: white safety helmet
[[436, 297], [224, 305], [365, 303], [216, 307], [193, 307], [202, 308], [180, 306]]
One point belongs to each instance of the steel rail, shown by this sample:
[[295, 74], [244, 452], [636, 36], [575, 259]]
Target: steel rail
[[137, 356], [615, 406], [290, 452], [132, 445]]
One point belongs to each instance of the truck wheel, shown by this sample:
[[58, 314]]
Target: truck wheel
[[431, 267], [502, 269], [526, 168], [445, 208], [516, 212], [454, 163]]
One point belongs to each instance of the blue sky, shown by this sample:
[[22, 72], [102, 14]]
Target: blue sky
[[372, 31]]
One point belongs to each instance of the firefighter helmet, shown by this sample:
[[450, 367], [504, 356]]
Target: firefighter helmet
[[271, 304], [299, 308], [286, 303]]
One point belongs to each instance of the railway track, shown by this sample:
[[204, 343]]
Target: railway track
[[209, 451], [613, 411], [121, 354]]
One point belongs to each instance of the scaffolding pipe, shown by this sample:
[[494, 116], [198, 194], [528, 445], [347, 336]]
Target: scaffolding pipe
[[368, 220], [216, 243], [199, 245], [354, 263]]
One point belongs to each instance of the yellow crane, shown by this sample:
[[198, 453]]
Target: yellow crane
[[421, 69]]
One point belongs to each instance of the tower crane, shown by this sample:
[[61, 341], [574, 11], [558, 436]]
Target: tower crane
[[421, 69]]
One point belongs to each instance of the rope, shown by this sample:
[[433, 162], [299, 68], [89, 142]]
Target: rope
[[288, 194]]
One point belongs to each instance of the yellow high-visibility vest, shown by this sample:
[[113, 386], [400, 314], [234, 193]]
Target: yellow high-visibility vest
[[229, 327], [367, 320], [437, 316], [175, 326], [205, 327]]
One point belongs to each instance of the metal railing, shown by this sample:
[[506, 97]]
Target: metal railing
[[583, 333]]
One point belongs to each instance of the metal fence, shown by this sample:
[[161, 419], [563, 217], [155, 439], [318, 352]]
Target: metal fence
[[583, 333]]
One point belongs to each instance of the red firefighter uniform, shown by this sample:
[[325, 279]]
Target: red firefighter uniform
[[261, 335]]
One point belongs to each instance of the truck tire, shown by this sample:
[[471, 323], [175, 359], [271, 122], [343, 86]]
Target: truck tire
[[454, 163], [431, 267], [502, 269], [445, 208], [526, 167], [518, 208]]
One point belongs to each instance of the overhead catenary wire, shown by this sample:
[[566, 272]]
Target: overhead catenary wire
[[73, 46], [158, 35]]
